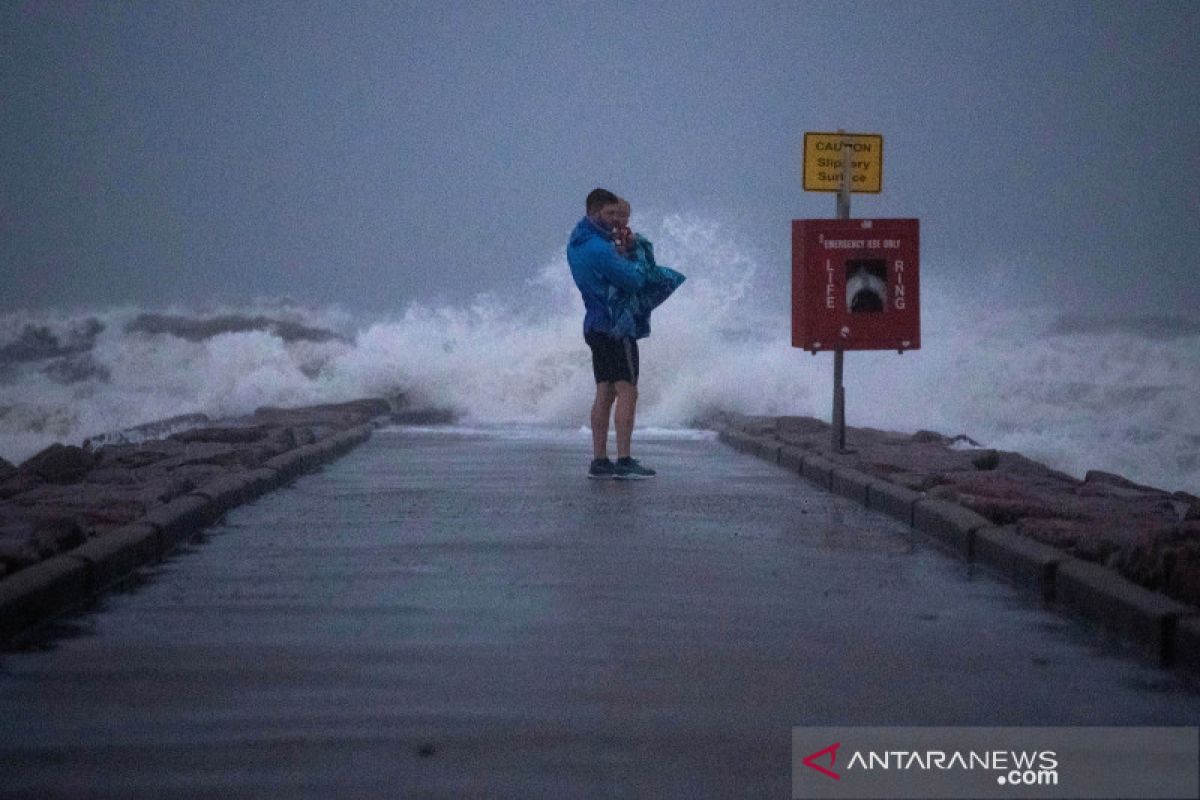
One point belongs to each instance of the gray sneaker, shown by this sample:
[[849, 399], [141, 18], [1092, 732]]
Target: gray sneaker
[[630, 469], [601, 468]]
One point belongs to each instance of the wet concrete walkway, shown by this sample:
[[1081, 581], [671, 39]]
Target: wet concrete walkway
[[463, 614]]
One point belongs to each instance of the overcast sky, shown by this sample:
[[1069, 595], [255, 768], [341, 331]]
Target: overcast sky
[[370, 153]]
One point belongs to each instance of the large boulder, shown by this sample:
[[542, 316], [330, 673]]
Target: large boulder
[[137, 456], [18, 482], [146, 431], [31, 535], [17, 547], [1167, 559], [148, 487], [56, 534], [233, 456], [91, 505], [1004, 497], [200, 474], [225, 435], [60, 463]]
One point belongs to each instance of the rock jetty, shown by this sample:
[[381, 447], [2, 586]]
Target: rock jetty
[[1122, 555], [75, 519], [1148, 535]]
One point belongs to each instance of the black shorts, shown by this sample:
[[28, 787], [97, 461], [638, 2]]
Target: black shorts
[[613, 359]]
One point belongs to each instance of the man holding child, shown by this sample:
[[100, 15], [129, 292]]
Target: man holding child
[[615, 272]]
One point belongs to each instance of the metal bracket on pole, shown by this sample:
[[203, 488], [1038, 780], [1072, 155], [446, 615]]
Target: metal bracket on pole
[[843, 195], [839, 391]]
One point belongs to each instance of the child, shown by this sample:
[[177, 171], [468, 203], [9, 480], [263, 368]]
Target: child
[[622, 235], [630, 311]]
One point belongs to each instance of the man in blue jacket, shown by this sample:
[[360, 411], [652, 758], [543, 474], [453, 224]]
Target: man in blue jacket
[[596, 266]]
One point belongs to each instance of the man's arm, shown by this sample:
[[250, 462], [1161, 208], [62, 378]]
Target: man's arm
[[620, 272]]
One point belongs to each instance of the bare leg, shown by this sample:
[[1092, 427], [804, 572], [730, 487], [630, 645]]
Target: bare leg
[[627, 394], [601, 408]]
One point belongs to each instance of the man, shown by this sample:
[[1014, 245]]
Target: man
[[596, 266]]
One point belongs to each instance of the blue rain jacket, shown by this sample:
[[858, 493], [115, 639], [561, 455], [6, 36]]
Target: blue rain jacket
[[596, 267], [630, 310]]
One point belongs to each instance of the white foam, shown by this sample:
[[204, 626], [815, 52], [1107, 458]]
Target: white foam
[[1113, 398]]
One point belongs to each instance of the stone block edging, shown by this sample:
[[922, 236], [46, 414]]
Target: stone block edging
[[850, 483], [70, 580], [740, 441], [893, 500], [1145, 618], [116, 555], [41, 592], [1163, 631], [179, 520], [792, 458], [1186, 650], [1021, 560], [287, 465], [818, 470], [231, 491], [948, 522]]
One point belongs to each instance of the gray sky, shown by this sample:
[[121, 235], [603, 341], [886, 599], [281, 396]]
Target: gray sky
[[371, 153]]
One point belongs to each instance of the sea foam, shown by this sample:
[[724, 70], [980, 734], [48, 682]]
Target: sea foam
[[1077, 392]]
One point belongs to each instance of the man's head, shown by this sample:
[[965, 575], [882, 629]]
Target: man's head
[[623, 212], [602, 208]]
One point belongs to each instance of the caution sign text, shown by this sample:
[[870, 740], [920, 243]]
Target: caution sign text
[[824, 154]]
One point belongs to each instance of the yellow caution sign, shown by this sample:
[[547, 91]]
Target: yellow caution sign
[[823, 153]]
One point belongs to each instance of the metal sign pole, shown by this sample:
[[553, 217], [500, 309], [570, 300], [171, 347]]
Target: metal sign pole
[[839, 391]]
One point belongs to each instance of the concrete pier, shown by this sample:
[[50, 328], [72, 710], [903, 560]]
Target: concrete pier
[[455, 612]]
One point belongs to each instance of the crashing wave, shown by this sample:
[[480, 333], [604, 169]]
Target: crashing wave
[[1118, 396]]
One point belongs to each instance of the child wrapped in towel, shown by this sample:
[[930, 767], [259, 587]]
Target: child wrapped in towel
[[630, 311]]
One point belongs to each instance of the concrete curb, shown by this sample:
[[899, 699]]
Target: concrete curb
[[38, 594], [287, 465], [1145, 618], [792, 458], [1021, 560], [117, 554], [732, 438], [951, 524], [850, 483], [179, 520], [742, 442], [347, 440], [263, 480], [1187, 644], [819, 471], [1160, 629], [310, 456], [893, 500], [230, 491], [41, 592]]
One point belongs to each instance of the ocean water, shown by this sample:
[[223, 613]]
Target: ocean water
[[1076, 391]]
